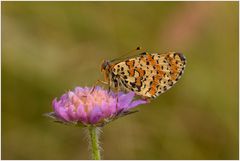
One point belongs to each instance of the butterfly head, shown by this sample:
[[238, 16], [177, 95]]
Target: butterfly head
[[106, 68], [105, 65]]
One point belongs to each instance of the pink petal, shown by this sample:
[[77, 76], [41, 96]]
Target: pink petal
[[81, 114], [62, 113]]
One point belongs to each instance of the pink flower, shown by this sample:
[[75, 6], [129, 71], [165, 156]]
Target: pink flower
[[99, 107]]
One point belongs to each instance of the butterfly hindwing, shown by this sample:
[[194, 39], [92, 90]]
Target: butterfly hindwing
[[149, 75]]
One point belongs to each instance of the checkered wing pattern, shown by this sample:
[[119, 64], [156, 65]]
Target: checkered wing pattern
[[150, 75]]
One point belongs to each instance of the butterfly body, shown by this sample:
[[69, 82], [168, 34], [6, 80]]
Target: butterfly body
[[148, 75]]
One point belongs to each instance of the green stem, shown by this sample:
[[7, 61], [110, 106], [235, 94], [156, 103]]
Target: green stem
[[94, 143]]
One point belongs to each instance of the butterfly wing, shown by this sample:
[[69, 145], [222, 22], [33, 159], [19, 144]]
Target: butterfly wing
[[150, 75]]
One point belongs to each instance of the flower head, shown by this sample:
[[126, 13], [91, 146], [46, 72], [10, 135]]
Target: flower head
[[93, 107]]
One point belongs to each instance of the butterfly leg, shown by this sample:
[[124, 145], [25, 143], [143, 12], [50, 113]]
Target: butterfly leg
[[109, 88], [98, 81], [117, 95]]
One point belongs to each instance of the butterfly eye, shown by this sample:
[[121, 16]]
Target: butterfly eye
[[105, 65]]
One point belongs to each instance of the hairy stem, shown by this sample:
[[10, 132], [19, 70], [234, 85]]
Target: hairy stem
[[95, 149]]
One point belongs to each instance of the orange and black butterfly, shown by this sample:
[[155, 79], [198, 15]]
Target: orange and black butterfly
[[148, 75]]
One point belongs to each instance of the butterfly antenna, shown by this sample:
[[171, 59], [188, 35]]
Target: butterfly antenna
[[136, 49]]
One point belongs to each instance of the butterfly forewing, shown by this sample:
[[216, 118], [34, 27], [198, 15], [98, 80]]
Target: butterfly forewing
[[149, 75]]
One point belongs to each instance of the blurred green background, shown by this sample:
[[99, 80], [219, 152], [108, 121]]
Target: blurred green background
[[49, 48]]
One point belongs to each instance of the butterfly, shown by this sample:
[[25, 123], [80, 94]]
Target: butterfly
[[148, 75]]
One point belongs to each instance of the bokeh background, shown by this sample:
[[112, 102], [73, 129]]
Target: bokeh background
[[49, 48]]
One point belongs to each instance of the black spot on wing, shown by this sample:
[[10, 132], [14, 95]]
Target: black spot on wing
[[139, 88], [133, 84], [164, 88], [144, 53]]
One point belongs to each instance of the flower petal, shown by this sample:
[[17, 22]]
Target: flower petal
[[108, 108], [55, 104], [82, 115], [78, 89], [124, 100], [136, 103], [71, 113], [95, 115], [62, 113]]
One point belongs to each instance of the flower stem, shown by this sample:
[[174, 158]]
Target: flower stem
[[94, 143]]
